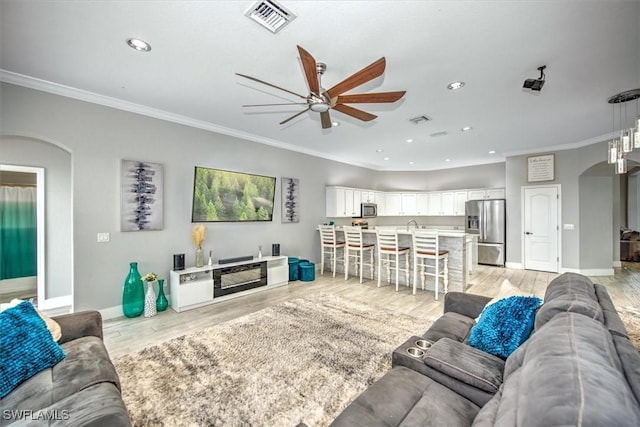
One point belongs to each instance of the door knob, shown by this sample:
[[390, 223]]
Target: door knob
[[527, 233]]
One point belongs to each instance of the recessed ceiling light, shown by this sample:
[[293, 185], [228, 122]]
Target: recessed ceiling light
[[492, 152], [379, 150], [386, 158], [466, 128], [335, 123], [409, 141], [139, 45], [447, 160], [411, 163], [455, 85]]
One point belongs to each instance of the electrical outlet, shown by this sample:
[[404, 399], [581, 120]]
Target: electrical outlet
[[103, 237]]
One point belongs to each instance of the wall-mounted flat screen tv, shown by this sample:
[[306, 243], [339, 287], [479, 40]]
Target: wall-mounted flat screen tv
[[225, 196]]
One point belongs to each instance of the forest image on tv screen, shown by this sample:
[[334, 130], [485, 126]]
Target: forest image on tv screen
[[220, 195]]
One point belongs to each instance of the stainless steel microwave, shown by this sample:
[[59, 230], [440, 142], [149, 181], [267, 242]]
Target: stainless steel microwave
[[368, 210]]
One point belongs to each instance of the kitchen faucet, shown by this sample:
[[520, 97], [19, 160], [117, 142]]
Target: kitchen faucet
[[412, 221]]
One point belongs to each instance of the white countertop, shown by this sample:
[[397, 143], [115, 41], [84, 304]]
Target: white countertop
[[402, 230]]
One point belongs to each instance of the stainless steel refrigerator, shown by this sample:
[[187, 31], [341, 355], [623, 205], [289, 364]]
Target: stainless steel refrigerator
[[487, 219]]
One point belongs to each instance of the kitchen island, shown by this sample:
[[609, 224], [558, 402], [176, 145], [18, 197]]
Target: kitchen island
[[461, 257]]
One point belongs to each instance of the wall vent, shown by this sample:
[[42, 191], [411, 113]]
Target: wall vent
[[437, 134], [270, 15], [419, 119]]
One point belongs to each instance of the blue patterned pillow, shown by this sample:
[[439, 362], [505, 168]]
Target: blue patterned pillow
[[504, 325], [27, 346]]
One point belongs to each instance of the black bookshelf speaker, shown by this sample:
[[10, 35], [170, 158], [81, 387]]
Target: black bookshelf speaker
[[178, 262], [275, 249]]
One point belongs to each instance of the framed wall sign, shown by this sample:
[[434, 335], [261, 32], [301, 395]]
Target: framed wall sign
[[141, 192], [540, 168]]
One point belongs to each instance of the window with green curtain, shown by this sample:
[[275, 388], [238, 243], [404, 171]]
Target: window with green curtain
[[18, 232]]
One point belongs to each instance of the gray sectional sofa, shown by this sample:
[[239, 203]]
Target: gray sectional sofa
[[81, 390], [578, 368]]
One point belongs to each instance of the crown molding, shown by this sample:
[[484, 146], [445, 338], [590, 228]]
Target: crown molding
[[562, 147], [106, 101]]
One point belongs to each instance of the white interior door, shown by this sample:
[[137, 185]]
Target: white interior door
[[541, 228]]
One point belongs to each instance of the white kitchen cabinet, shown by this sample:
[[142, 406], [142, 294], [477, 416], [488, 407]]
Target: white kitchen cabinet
[[393, 204], [460, 198], [368, 196], [400, 204], [422, 204], [435, 203], [446, 203], [409, 204], [343, 202], [486, 193], [380, 200], [335, 206]]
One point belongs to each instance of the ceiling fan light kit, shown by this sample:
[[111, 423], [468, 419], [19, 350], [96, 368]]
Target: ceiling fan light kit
[[321, 101]]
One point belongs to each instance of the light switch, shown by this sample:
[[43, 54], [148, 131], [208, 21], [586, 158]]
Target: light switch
[[568, 226], [103, 237]]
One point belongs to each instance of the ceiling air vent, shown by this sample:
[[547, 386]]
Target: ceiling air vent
[[270, 15], [437, 134], [419, 119]]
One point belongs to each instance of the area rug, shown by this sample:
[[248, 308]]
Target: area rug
[[303, 360], [631, 319]]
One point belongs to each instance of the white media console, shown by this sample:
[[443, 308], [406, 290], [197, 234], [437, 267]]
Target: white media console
[[195, 287]]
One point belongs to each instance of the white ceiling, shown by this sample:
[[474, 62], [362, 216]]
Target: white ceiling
[[591, 49]]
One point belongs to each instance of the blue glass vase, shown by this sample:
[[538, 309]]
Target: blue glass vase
[[133, 293], [161, 302]]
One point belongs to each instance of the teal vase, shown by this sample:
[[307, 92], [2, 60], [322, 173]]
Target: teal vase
[[133, 293], [161, 302]]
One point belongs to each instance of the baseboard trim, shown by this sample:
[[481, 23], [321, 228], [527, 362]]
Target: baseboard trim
[[590, 271], [514, 265], [20, 284]]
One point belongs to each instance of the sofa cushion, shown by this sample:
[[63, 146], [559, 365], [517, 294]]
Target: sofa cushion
[[567, 373], [611, 318], [450, 325], [466, 364], [27, 346], [569, 292], [87, 363], [504, 325], [403, 397]]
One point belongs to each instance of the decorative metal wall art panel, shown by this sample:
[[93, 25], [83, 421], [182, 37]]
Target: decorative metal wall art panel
[[290, 200], [141, 192]]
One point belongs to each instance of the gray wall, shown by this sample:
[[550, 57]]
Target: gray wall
[[569, 166], [596, 241], [56, 162], [482, 176], [100, 137]]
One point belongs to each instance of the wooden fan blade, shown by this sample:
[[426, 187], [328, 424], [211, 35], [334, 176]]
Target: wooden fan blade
[[370, 72], [370, 98], [310, 71], [295, 115], [269, 105], [354, 112], [325, 118], [271, 85]]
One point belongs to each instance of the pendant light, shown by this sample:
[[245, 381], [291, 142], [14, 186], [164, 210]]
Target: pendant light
[[629, 137]]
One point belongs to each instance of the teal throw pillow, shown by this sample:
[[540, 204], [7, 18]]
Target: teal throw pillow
[[27, 346], [504, 325]]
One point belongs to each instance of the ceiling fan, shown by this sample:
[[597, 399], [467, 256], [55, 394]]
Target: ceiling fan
[[321, 100]]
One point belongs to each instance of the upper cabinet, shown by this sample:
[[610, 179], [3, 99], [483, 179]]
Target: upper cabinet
[[486, 193], [399, 204], [345, 202]]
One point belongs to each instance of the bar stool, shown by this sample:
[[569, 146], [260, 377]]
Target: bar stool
[[426, 248], [329, 246], [356, 248], [388, 245]]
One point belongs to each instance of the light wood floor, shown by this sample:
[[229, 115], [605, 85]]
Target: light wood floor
[[124, 335]]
